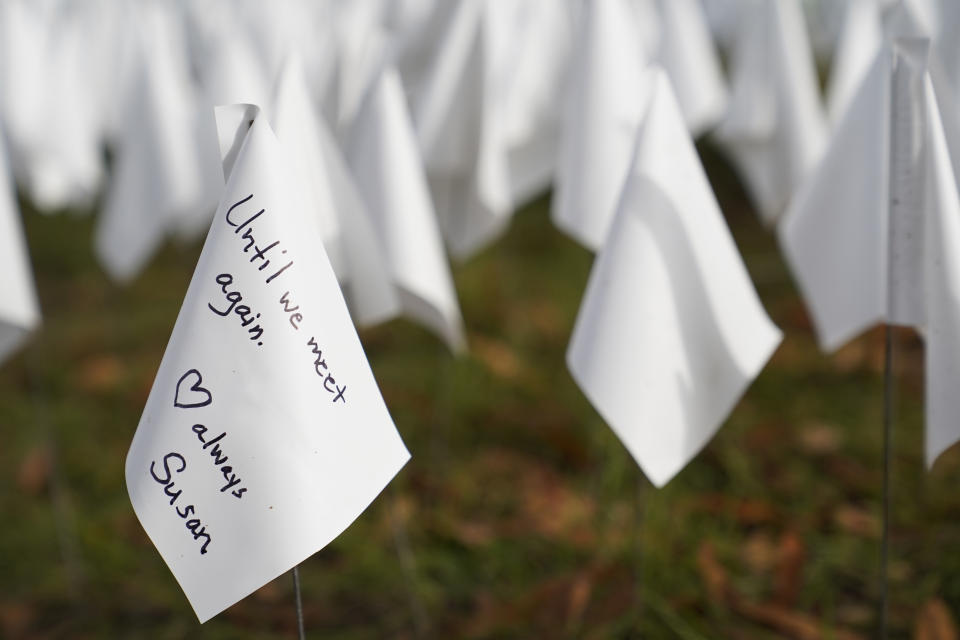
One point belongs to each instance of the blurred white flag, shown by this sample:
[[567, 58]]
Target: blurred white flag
[[19, 311], [775, 129], [873, 236], [296, 122], [670, 331], [461, 133], [49, 104], [689, 56], [604, 107], [156, 183], [265, 434], [861, 36], [382, 152], [348, 232]]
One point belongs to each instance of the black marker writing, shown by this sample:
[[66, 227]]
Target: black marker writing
[[220, 461], [175, 463], [259, 253], [321, 369], [246, 314]]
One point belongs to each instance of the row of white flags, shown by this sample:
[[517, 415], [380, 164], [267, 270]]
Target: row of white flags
[[414, 130]]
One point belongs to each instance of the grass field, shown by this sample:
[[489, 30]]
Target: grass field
[[520, 515]]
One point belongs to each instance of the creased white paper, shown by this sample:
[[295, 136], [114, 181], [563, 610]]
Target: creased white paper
[[383, 155], [265, 434], [670, 331], [873, 237]]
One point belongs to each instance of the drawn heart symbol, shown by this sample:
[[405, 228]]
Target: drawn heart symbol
[[193, 397]]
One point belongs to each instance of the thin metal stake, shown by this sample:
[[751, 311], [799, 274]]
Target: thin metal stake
[[887, 448], [296, 590]]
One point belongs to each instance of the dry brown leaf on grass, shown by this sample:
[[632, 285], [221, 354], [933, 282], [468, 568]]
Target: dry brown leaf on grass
[[856, 520], [544, 315], [100, 373], [541, 500], [784, 558], [470, 534], [934, 622], [791, 558], [555, 603], [713, 574], [792, 624], [15, 619], [785, 621], [759, 553], [499, 358], [33, 476], [581, 590], [817, 438], [747, 511]]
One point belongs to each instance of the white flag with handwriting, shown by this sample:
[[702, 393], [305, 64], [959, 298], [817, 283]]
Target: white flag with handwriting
[[19, 311], [670, 332], [874, 235], [265, 434], [775, 129]]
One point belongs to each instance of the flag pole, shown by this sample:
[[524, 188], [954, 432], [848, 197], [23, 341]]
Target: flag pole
[[301, 634], [887, 448]]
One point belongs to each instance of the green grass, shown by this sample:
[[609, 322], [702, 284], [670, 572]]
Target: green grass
[[523, 515]]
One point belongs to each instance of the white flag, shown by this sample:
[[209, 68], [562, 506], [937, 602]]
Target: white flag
[[156, 181], [670, 331], [265, 434], [296, 123], [19, 311], [49, 105], [688, 54], [382, 152], [873, 237], [775, 129], [532, 45], [861, 36], [461, 133], [605, 101], [349, 235]]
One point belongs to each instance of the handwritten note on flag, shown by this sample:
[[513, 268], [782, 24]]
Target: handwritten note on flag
[[265, 434]]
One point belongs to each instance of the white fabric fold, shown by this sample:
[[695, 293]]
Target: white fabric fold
[[382, 152], [873, 236], [264, 435], [603, 111], [775, 129], [670, 331]]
